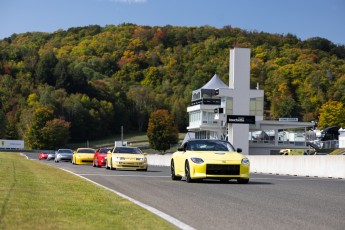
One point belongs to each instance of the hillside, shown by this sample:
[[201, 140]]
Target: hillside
[[87, 82]]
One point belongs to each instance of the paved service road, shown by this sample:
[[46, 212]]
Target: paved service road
[[267, 202]]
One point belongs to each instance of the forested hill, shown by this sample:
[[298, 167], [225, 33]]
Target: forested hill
[[94, 79]]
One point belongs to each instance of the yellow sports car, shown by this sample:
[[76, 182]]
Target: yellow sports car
[[126, 158], [83, 156], [209, 159]]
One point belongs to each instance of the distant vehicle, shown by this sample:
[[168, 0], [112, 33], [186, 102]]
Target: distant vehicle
[[100, 157], [330, 133], [209, 159], [63, 155], [83, 156], [42, 155], [51, 156], [297, 152], [126, 158]]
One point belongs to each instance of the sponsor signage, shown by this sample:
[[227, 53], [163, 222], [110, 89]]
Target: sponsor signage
[[206, 101], [12, 144], [241, 119], [288, 119]]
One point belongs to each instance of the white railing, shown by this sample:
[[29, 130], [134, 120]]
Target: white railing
[[312, 166]]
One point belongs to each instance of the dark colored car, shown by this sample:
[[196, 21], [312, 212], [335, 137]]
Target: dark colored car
[[63, 155], [100, 157]]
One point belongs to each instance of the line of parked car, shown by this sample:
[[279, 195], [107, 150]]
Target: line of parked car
[[122, 157]]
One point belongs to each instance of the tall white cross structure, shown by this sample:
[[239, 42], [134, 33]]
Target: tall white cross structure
[[244, 100]]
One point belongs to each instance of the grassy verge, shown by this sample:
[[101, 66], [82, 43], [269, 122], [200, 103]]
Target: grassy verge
[[37, 196], [337, 151]]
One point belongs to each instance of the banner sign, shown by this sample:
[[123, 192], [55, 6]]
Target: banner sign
[[288, 119], [12, 144], [239, 119]]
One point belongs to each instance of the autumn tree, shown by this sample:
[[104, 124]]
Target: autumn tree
[[101, 78], [45, 68], [34, 134], [332, 114], [55, 134], [142, 99], [161, 131], [2, 124]]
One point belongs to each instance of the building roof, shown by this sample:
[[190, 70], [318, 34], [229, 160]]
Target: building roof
[[215, 83]]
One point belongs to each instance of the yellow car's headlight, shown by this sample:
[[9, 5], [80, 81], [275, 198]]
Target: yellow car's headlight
[[245, 161], [197, 160]]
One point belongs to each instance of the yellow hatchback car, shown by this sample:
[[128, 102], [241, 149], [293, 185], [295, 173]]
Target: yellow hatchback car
[[83, 156], [209, 159], [126, 158]]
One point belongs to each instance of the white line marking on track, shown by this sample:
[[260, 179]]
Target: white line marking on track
[[22, 154], [161, 214]]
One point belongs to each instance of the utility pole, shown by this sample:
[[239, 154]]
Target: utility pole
[[121, 135]]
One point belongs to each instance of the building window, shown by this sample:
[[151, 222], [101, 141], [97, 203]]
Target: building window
[[256, 106], [195, 116], [229, 105]]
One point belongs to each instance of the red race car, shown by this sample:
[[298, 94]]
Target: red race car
[[100, 157], [42, 155]]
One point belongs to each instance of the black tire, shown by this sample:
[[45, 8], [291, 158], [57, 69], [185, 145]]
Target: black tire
[[172, 171], [142, 170], [187, 173], [93, 163], [243, 180]]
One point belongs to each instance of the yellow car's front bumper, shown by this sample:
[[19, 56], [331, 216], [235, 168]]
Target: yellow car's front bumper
[[218, 171], [130, 164], [83, 160]]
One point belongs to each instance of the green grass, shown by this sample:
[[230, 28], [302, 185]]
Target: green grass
[[337, 151], [37, 196]]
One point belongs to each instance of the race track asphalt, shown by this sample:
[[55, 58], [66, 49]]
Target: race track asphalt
[[267, 202]]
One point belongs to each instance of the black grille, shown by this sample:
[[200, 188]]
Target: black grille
[[223, 169], [87, 160]]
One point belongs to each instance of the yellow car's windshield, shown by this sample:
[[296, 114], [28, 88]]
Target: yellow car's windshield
[[209, 145], [127, 150], [87, 151]]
